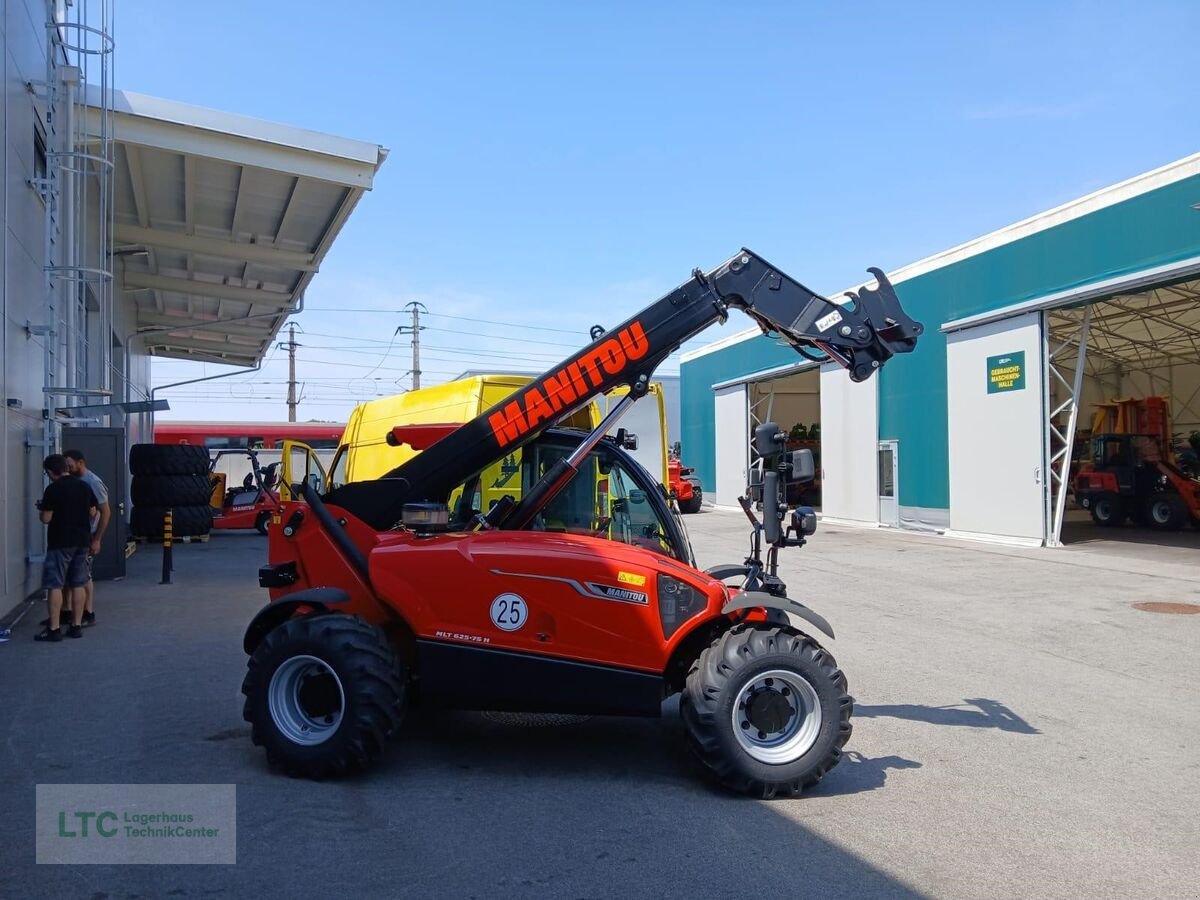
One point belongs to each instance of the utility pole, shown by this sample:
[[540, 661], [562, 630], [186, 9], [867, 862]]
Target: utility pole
[[417, 308], [291, 348]]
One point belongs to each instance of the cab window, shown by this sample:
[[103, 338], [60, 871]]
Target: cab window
[[604, 500], [337, 472]]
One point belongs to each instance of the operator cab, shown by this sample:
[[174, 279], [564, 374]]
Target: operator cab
[[613, 496]]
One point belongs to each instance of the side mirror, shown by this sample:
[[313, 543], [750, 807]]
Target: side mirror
[[803, 467], [769, 439]]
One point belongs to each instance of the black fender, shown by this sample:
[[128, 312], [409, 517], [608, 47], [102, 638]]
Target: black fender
[[275, 614], [727, 571], [757, 599]]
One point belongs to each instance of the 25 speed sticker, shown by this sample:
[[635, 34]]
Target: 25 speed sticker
[[509, 612]]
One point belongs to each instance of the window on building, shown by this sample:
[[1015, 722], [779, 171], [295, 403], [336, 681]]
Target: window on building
[[40, 166]]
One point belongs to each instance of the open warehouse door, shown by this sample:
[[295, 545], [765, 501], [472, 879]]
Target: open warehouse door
[[791, 397], [1128, 367]]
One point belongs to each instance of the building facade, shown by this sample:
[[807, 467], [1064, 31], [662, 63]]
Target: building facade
[[135, 228], [1027, 330]]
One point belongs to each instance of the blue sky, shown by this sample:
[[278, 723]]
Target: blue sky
[[565, 163]]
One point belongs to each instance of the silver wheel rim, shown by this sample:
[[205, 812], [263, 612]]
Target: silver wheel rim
[[302, 695], [1160, 511], [1104, 509], [798, 728]]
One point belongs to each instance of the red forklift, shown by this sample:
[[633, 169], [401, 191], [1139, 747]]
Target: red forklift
[[250, 505], [1129, 477], [583, 596]]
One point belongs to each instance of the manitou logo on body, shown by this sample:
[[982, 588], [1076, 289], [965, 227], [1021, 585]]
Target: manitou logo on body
[[542, 401]]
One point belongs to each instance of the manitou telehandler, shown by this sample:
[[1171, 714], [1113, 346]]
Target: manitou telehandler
[[582, 596]]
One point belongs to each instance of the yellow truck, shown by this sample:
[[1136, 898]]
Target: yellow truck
[[365, 453]]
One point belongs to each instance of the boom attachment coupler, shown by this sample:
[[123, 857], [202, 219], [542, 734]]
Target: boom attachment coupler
[[860, 336]]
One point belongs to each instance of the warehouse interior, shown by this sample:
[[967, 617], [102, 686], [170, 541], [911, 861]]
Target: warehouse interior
[[793, 402], [1140, 374]]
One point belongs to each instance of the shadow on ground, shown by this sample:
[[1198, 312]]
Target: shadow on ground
[[986, 714], [462, 805]]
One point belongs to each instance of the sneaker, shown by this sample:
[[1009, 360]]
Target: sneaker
[[89, 619], [75, 631], [49, 634]]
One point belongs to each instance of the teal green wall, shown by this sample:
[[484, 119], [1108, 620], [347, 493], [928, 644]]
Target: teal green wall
[[1153, 229]]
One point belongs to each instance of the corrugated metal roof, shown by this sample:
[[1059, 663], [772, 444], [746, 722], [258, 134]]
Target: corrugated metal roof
[[222, 220]]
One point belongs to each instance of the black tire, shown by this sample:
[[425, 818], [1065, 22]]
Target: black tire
[[186, 521], [168, 459], [1166, 511], [691, 505], [372, 692], [170, 490], [262, 522], [1107, 509], [731, 664]]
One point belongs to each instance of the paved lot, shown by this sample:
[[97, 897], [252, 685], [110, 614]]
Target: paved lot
[[1021, 730]]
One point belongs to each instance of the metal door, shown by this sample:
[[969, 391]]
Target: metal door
[[997, 434], [732, 416], [104, 449], [889, 483]]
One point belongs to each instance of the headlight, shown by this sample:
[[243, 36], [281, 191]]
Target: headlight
[[677, 602]]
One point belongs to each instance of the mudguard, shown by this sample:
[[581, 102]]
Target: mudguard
[[727, 571], [276, 613], [753, 599]]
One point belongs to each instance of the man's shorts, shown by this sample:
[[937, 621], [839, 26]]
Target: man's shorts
[[65, 567]]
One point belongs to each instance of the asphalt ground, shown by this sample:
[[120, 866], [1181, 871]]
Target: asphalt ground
[[1020, 731]]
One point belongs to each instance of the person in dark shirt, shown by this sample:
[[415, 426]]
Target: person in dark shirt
[[66, 507]]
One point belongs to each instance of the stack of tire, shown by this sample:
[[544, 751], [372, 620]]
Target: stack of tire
[[169, 477]]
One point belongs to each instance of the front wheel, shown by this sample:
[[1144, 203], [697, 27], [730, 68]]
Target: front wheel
[[262, 522], [766, 710], [692, 504], [323, 695], [1107, 509]]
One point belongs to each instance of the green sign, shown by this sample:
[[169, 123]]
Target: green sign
[[1006, 373]]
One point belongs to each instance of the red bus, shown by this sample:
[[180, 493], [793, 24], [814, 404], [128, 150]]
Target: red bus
[[252, 435]]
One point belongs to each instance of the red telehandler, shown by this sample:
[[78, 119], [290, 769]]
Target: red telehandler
[[582, 596]]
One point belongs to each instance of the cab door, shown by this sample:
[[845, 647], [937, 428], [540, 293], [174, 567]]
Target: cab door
[[300, 464]]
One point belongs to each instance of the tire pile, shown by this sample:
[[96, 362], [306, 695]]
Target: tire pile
[[174, 477]]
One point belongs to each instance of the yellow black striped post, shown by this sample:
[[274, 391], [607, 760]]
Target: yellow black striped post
[[168, 537]]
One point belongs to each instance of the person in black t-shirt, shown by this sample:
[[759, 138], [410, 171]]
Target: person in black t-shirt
[[67, 508]]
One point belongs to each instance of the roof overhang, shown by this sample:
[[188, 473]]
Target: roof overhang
[[221, 221]]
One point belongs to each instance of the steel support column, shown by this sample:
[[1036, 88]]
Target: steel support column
[[1060, 457]]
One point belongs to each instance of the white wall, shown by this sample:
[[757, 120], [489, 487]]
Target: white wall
[[996, 440], [731, 417], [849, 446], [24, 298]]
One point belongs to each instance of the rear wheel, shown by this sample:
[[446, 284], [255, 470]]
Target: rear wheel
[[692, 504], [323, 695], [1107, 509], [766, 710], [1166, 511]]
